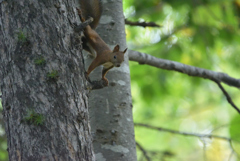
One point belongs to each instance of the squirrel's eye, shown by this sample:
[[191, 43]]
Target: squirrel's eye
[[114, 56]]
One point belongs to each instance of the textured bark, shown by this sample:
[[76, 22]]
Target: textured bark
[[110, 108], [45, 104]]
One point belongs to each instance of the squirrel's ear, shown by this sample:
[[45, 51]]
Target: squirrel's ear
[[116, 48], [125, 51]]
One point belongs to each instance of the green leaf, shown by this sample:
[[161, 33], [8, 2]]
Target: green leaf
[[234, 128]]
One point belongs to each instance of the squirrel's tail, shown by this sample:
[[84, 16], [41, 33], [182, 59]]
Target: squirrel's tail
[[91, 8]]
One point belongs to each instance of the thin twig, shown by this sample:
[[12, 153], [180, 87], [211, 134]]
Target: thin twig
[[230, 140], [233, 150], [227, 95], [143, 151], [219, 127], [142, 24], [185, 133], [230, 156]]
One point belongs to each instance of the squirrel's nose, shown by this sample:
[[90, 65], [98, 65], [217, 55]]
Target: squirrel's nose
[[118, 65]]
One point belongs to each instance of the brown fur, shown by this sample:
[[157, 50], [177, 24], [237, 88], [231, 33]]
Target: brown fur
[[104, 55]]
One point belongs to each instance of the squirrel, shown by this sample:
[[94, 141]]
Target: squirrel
[[92, 41]]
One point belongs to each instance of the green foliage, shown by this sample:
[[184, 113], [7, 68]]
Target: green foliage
[[234, 128], [3, 139], [53, 75], [34, 118], [3, 148], [200, 33], [40, 61]]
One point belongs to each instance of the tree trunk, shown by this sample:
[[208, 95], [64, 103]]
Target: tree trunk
[[45, 104], [110, 108]]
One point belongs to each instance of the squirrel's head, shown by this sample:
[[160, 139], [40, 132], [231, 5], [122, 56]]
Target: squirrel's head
[[117, 56]]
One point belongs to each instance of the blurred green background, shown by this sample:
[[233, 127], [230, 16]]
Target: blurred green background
[[202, 33], [3, 139]]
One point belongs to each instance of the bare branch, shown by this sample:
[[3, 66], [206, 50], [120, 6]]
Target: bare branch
[[143, 58], [142, 24], [185, 133], [217, 77], [143, 151]]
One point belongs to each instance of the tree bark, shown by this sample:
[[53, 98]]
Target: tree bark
[[110, 108], [45, 104]]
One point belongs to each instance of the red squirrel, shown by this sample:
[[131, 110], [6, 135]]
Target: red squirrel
[[92, 41]]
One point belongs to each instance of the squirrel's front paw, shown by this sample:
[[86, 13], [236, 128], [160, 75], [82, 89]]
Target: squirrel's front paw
[[105, 81]]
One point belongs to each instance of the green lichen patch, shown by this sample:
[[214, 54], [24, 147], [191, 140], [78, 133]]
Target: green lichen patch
[[34, 118], [53, 75], [40, 61], [22, 36]]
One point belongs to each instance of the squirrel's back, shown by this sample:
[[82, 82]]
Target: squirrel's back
[[91, 8]]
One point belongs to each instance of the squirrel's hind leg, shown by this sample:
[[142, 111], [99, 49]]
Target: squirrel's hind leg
[[88, 48]]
